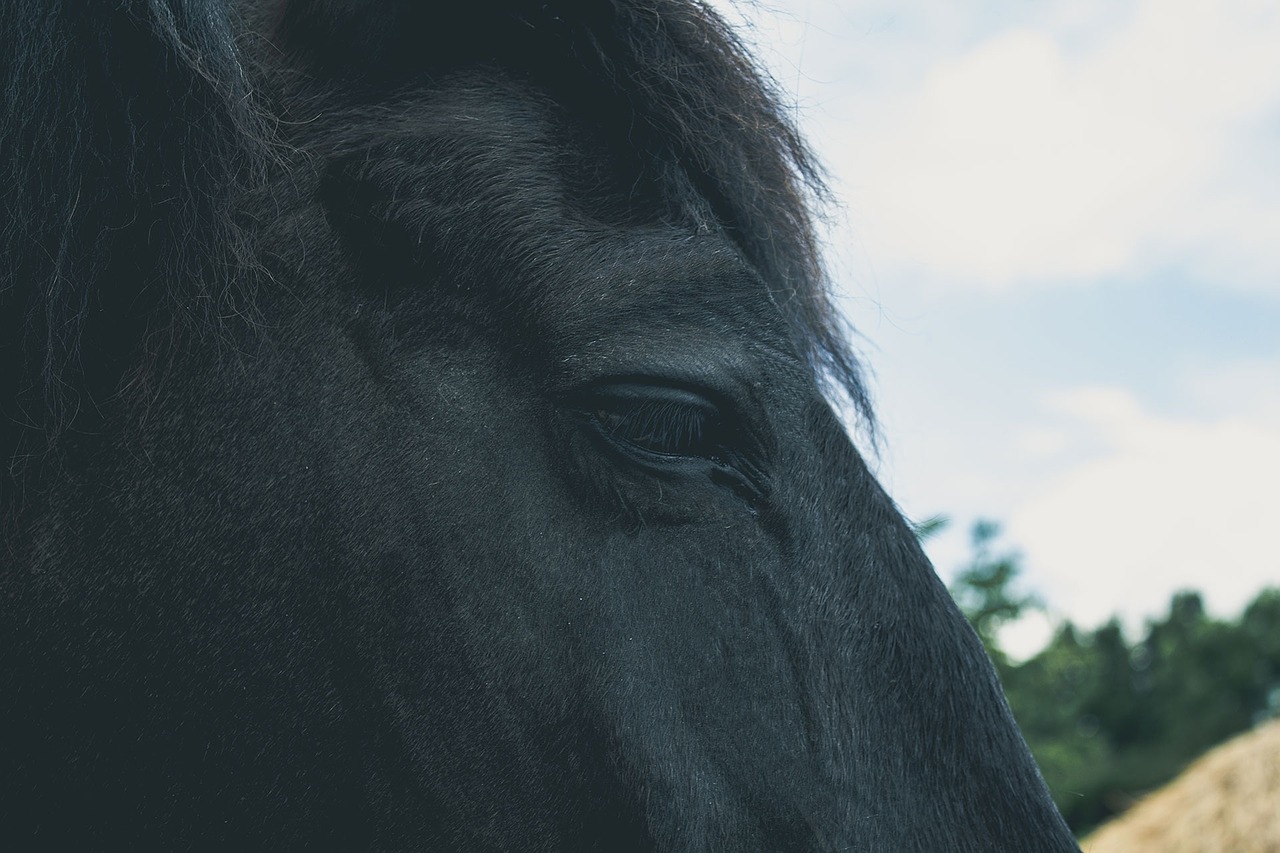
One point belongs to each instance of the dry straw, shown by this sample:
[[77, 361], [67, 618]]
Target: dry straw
[[1228, 801]]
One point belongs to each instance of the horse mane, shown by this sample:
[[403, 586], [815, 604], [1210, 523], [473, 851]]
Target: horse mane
[[132, 132], [127, 135]]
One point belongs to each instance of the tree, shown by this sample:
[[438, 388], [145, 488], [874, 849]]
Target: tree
[[984, 589], [1109, 720]]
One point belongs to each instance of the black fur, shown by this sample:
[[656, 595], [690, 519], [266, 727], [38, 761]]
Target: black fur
[[314, 530]]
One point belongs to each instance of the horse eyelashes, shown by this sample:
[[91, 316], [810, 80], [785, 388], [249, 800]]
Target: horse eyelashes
[[655, 420], [666, 428]]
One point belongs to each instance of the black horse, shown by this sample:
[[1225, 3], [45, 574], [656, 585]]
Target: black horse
[[417, 437]]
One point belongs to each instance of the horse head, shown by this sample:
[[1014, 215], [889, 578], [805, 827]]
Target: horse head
[[455, 463]]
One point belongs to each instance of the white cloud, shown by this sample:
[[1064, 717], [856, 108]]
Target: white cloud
[[1169, 504], [1030, 158], [1242, 388], [1042, 442]]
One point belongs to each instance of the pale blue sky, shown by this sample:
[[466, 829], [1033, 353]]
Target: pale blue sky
[[1060, 235]]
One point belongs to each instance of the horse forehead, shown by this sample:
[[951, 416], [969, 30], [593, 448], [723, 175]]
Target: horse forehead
[[479, 169]]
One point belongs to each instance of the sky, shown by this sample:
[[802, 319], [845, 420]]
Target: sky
[[1058, 234]]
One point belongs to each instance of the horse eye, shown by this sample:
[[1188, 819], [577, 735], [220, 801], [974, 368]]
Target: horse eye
[[658, 420]]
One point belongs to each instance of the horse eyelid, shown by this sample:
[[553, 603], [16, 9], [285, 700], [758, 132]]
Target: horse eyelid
[[651, 425]]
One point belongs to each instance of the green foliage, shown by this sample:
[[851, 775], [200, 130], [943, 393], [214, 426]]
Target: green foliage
[[984, 589], [1109, 720]]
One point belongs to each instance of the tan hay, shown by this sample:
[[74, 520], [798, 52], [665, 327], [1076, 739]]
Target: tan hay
[[1228, 801]]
